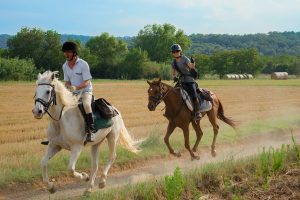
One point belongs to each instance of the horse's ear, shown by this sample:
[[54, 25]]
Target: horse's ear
[[56, 74], [39, 76], [149, 82]]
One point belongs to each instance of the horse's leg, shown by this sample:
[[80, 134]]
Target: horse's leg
[[75, 152], [112, 141], [95, 160], [51, 151], [186, 134], [212, 116], [199, 134], [170, 130]]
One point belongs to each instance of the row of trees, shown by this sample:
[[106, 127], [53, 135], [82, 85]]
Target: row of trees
[[147, 56], [248, 61], [270, 44], [108, 56]]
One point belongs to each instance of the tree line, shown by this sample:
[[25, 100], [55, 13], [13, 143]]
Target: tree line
[[147, 55], [271, 44]]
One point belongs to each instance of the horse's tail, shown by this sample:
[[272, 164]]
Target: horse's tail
[[225, 119], [126, 139]]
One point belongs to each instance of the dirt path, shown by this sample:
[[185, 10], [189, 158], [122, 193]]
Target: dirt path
[[157, 168]]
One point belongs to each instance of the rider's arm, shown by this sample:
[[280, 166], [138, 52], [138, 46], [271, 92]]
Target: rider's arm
[[66, 77], [83, 85], [191, 65], [68, 84], [86, 75]]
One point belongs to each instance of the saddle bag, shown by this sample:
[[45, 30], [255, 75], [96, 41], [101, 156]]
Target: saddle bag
[[106, 110], [205, 94]]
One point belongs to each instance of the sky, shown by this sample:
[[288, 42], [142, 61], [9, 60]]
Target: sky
[[127, 17]]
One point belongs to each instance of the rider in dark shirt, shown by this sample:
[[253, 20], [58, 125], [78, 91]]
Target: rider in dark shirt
[[182, 65]]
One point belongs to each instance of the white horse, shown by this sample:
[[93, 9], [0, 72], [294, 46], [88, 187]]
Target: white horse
[[66, 130]]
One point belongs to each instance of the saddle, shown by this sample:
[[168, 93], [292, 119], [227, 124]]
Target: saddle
[[103, 112], [204, 97]]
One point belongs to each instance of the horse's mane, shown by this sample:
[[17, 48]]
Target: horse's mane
[[165, 84], [66, 97]]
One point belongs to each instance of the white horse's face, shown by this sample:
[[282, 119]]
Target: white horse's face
[[43, 95]]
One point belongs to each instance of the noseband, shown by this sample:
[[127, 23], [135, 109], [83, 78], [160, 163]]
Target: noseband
[[52, 101], [159, 98]]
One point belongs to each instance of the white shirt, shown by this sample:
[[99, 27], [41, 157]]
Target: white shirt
[[78, 74]]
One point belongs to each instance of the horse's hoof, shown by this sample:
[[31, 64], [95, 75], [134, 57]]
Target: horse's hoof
[[52, 190], [195, 158], [177, 154], [85, 176], [87, 192], [102, 184], [214, 153]]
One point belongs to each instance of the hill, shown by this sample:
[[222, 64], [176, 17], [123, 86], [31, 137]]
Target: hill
[[272, 43]]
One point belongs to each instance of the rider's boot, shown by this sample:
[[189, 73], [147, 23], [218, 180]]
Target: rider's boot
[[90, 128], [197, 113]]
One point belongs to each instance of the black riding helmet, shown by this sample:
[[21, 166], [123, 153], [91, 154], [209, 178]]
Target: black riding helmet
[[70, 46], [176, 47]]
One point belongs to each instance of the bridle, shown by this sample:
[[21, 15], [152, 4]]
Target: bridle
[[52, 101], [159, 98]]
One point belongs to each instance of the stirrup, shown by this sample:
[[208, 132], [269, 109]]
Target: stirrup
[[92, 130], [198, 116], [45, 142], [90, 137]]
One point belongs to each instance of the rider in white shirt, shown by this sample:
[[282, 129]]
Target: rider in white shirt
[[78, 78]]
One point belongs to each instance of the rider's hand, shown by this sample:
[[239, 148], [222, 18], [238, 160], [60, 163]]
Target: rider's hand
[[192, 60], [72, 88], [175, 79]]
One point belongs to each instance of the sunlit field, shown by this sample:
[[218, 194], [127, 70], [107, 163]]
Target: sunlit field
[[258, 106]]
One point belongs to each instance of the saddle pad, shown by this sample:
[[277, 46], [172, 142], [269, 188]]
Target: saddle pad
[[99, 121], [204, 106]]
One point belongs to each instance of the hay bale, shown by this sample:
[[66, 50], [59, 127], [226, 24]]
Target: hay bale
[[237, 76], [226, 76], [279, 75], [250, 76], [232, 76]]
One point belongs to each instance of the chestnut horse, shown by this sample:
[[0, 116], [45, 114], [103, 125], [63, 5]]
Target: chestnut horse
[[180, 116]]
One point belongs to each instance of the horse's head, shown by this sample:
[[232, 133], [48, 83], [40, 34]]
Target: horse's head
[[156, 93], [45, 95]]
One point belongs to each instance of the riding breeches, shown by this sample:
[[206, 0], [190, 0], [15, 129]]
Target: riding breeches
[[190, 87], [86, 99]]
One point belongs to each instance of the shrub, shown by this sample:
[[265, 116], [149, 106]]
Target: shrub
[[16, 69], [278, 156], [265, 165], [174, 185]]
